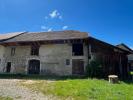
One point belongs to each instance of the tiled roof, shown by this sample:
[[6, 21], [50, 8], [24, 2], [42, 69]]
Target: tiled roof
[[55, 35], [9, 35], [124, 47]]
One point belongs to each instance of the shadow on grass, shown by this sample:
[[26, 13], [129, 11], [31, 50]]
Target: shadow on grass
[[128, 81], [39, 77], [50, 77]]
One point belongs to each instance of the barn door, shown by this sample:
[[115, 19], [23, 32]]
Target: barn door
[[34, 67], [77, 67]]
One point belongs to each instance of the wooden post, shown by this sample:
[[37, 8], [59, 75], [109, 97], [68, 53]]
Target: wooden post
[[89, 53], [120, 66]]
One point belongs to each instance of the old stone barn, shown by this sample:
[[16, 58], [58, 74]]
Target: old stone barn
[[59, 53]]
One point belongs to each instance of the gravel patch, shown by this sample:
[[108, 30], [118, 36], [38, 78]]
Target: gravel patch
[[10, 88]]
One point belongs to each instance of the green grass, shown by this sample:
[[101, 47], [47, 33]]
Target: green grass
[[5, 98], [84, 89]]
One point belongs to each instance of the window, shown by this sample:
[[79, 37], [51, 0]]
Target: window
[[35, 50], [77, 49], [13, 49], [67, 62]]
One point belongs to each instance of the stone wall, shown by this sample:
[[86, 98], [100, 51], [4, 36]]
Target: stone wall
[[2, 51], [52, 59], [18, 61]]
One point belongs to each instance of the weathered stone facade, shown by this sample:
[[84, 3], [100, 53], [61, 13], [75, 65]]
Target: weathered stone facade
[[52, 59], [2, 52]]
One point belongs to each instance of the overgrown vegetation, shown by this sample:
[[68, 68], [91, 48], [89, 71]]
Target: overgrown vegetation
[[83, 89], [94, 69]]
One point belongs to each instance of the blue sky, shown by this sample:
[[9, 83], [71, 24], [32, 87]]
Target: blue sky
[[107, 20]]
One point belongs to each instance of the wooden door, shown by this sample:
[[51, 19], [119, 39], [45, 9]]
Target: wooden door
[[8, 67], [77, 67], [34, 67]]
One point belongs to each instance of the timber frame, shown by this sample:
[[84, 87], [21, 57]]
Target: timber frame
[[114, 59]]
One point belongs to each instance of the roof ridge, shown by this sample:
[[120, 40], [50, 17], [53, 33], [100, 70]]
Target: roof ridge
[[127, 47], [58, 31]]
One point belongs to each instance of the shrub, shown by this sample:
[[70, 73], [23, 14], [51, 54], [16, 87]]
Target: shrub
[[131, 73], [95, 69]]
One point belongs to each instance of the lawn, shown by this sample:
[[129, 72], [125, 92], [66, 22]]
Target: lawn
[[82, 89]]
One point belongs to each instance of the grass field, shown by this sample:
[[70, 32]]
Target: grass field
[[83, 89], [5, 98]]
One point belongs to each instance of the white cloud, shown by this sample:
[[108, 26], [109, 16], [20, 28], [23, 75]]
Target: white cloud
[[64, 27], [43, 27], [55, 14], [50, 29], [52, 15]]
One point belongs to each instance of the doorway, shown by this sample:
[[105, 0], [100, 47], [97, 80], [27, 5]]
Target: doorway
[[77, 67], [34, 67], [8, 67]]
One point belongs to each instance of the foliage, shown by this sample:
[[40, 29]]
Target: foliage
[[95, 69], [131, 73]]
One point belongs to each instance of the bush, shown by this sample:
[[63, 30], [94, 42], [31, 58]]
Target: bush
[[131, 73], [95, 69]]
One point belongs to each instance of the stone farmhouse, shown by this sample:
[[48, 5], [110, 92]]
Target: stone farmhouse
[[59, 53]]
